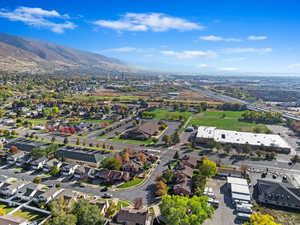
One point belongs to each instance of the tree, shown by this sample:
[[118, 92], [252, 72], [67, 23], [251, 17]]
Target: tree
[[161, 188], [175, 138], [179, 210], [54, 171], [167, 176], [61, 212], [2, 212], [77, 141], [68, 219], [66, 141], [37, 180], [167, 140], [208, 168], [53, 139], [111, 164], [87, 214], [261, 219]]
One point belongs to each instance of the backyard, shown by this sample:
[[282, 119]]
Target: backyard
[[228, 120]]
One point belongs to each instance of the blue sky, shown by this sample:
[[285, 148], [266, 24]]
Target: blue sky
[[201, 36]]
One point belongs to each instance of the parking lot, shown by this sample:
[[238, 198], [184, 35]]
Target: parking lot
[[224, 214]]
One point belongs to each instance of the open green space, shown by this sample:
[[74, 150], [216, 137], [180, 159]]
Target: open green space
[[166, 114], [227, 120], [91, 121], [6, 208], [131, 183], [131, 141], [29, 215], [37, 121]]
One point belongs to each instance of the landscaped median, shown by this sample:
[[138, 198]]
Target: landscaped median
[[131, 183]]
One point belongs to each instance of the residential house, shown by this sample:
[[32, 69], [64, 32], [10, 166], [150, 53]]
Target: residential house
[[26, 159], [277, 193], [38, 163], [68, 169], [50, 164], [113, 176], [13, 220], [190, 161], [9, 189], [12, 158], [82, 172], [133, 167], [133, 217], [67, 195], [2, 180], [28, 191], [47, 196]]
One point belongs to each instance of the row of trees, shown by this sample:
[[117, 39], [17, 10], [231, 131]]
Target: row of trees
[[261, 117], [232, 107]]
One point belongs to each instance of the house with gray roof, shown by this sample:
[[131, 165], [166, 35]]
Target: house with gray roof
[[47, 195], [50, 164], [38, 163], [9, 189], [12, 158]]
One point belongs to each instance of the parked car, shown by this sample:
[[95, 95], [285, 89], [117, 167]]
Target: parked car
[[104, 189], [106, 195]]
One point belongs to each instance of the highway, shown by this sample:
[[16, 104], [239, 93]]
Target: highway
[[250, 106]]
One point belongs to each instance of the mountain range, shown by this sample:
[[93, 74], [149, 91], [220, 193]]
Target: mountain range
[[27, 56]]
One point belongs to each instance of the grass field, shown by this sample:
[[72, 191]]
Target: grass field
[[165, 114], [28, 215], [130, 141], [131, 183], [37, 121], [227, 120]]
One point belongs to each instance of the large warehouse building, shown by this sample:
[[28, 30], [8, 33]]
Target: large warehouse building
[[272, 142]]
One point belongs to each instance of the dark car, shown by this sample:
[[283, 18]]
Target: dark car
[[104, 189]]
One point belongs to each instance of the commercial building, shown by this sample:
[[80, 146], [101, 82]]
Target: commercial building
[[271, 142]]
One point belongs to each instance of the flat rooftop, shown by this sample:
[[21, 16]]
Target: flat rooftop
[[236, 137]]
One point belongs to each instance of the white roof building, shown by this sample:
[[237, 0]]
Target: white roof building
[[235, 137]]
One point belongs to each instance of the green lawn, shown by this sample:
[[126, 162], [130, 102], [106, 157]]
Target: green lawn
[[6, 208], [165, 114], [131, 183], [130, 141], [28, 215], [91, 121], [37, 121], [229, 122]]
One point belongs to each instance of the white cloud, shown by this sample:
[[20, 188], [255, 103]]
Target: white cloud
[[156, 22], [190, 54], [218, 38], [238, 59], [257, 38], [122, 49], [247, 50], [38, 17], [229, 69], [294, 66], [202, 66]]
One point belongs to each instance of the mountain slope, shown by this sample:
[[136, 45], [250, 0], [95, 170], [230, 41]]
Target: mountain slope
[[23, 55]]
